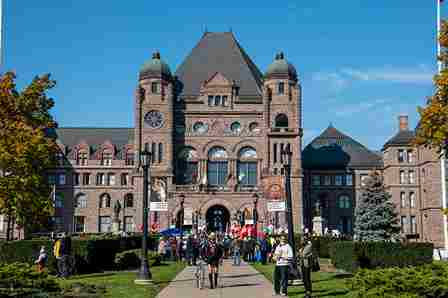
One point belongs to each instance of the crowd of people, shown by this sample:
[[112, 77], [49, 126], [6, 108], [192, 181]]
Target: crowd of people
[[263, 248]]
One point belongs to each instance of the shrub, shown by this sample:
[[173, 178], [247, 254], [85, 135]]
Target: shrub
[[420, 281], [350, 256], [22, 280], [92, 254], [130, 259]]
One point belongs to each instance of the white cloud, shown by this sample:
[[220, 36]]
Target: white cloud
[[407, 75], [362, 106], [334, 80]]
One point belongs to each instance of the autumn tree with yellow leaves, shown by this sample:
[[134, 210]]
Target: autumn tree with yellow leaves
[[26, 150], [432, 131]]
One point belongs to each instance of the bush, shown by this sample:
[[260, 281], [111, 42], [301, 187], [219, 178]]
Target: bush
[[351, 256], [130, 259], [22, 280], [92, 254], [420, 281]]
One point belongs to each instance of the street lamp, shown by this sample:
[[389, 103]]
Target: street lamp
[[255, 212], [181, 214], [144, 275], [287, 159]]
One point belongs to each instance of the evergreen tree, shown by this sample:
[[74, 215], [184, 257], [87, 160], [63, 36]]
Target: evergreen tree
[[375, 216]]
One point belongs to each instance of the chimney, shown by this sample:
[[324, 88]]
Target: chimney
[[403, 123]]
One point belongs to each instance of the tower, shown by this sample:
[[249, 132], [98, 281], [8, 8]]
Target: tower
[[283, 119], [154, 128]]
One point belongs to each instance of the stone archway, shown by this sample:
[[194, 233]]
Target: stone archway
[[217, 219]]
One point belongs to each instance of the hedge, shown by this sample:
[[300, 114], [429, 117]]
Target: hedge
[[92, 255], [351, 256], [418, 281]]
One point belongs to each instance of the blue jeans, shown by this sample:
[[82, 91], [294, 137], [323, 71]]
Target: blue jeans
[[236, 258]]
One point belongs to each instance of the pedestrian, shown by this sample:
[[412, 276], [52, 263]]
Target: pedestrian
[[189, 250], [283, 256], [264, 249], [57, 252], [306, 257], [161, 250], [236, 252], [214, 255], [42, 259]]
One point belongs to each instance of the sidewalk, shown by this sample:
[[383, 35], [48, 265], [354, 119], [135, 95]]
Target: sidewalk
[[242, 281]]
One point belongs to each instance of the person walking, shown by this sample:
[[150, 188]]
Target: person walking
[[264, 249], [283, 255], [161, 250], [236, 252], [306, 257], [41, 260], [214, 255]]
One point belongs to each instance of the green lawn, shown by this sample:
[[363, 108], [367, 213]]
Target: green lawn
[[121, 284], [324, 284]]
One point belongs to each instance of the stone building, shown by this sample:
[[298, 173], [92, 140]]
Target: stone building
[[216, 129]]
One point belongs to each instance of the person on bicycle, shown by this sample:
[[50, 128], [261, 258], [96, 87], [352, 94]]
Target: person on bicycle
[[214, 255]]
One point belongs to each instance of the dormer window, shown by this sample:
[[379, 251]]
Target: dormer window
[[106, 159], [155, 87], [82, 158], [281, 88]]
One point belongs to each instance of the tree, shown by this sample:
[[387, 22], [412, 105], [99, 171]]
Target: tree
[[26, 150], [375, 216], [432, 131]]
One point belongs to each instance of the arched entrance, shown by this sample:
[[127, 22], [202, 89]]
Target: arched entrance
[[218, 218]]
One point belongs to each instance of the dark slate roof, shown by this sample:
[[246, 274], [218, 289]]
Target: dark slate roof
[[94, 137], [402, 138], [219, 52], [334, 150]]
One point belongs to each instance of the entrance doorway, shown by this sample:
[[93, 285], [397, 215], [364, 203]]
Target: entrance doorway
[[218, 218]]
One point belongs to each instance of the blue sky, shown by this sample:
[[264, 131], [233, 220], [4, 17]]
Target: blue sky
[[361, 62]]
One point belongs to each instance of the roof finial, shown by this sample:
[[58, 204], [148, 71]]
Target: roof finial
[[156, 55]]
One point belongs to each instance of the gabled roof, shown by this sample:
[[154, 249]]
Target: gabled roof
[[333, 149], [402, 138], [219, 52]]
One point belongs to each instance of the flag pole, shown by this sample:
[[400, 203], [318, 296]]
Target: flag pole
[[443, 159]]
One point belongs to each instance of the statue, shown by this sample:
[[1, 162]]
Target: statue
[[117, 209], [317, 209]]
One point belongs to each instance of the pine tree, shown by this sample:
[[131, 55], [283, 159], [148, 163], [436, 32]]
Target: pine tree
[[375, 216]]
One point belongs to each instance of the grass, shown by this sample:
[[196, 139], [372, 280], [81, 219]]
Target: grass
[[121, 284], [325, 284]]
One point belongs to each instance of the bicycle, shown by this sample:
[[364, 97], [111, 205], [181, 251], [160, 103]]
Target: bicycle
[[200, 274]]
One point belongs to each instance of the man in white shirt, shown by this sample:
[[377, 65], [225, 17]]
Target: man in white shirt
[[283, 255]]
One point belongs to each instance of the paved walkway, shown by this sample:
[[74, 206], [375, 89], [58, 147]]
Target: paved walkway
[[242, 281]]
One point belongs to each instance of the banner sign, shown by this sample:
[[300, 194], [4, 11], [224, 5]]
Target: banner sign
[[158, 206], [274, 206], [188, 216], [249, 222], [273, 187]]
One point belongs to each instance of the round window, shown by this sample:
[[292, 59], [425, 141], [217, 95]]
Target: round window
[[200, 128], [154, 119], [235, 127], [253, 127]]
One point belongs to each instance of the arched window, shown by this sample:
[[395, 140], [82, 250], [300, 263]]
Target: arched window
[[105, 201], [247, 166], [281, 120], [344, 202], [129, 201], [160, 152], [187, 166], [217, 166], [81, 201]]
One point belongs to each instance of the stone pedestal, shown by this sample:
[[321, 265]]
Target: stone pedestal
[[317, 225]]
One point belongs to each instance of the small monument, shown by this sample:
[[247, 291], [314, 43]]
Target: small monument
[[116, 220], [317, 221]]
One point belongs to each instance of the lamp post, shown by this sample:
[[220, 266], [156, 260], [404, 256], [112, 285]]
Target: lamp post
[[255, 213], [287, 158], [181, 214], [144, 275]]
